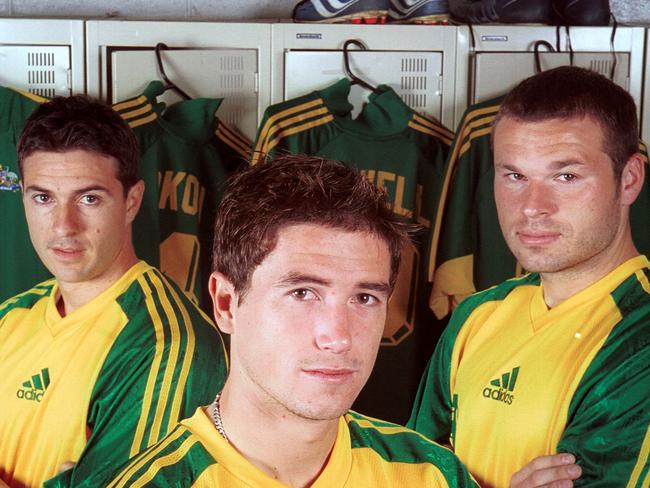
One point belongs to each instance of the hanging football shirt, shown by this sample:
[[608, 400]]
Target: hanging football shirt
[[186, 156]]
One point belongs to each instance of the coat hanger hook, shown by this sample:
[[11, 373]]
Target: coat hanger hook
[[346, 60], [161, 46]]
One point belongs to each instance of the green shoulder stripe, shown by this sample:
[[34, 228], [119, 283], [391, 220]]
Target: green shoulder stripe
[[295, 124], [496, 293], [179, 456], [232, 138], [27, 299], [432, 128], [395, 443], [278, 116], [142, 109], [631, 295], [480, 127]]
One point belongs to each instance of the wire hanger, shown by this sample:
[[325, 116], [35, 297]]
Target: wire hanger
[[346, 59], [169, 83], [547, 45], [612, 71]]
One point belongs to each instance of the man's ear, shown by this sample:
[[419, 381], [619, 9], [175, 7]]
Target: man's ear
[[134, 200], [632, 178], [224, 301]]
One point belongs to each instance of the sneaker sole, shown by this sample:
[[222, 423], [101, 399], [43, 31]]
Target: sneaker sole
[[369, 17], [426, 19]]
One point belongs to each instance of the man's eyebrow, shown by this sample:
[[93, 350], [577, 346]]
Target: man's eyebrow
[[506, 166], [379, 286], [555, 165], [564, 163], [296, 278], [86, 189]]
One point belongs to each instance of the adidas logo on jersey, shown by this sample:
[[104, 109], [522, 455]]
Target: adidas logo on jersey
[[501, 389], [34, 388]]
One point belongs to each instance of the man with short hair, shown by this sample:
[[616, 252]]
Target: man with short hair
[[98, 363], [306, 255], [557, 361]]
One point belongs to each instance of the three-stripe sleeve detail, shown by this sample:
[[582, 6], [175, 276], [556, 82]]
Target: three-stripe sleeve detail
[[175, 343]]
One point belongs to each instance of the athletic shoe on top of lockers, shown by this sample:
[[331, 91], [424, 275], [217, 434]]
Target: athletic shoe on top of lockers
[[418, 11], [334, 11]]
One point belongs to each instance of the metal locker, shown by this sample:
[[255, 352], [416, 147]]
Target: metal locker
[[44, 57]]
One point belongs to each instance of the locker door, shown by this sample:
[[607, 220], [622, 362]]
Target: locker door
[[43, 70], [497, 73]]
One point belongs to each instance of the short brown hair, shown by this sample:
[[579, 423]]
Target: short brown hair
[[296, 189], [568, 92], [79, 122]]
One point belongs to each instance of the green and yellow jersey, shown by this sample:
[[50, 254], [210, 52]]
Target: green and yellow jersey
[[366, 453], [186, 156], [472, 254], [21, 267], [404, 153], [512, 380], [103, 383]]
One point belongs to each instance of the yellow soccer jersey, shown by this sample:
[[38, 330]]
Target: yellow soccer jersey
[[102, 383], [366, 453], [512, 380]]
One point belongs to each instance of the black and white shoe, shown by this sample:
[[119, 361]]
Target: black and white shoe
[[334, 11], [419, 11]]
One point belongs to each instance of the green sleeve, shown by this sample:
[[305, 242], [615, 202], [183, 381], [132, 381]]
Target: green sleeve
[[433, 407], [609, 414], [120, 419]]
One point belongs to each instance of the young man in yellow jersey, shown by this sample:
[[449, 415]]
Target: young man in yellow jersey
[[98, 363], [544, 380], [306, 255]]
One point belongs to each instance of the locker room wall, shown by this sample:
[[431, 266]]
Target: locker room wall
[[151, 9]]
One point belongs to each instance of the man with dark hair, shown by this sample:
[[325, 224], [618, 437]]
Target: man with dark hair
[[98, 363], [306, 254], [546, 377]]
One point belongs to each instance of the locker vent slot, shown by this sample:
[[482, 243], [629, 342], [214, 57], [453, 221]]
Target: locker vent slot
[[43, 92], [602, 66], [413, 82], [234, 114], [41, 74]]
